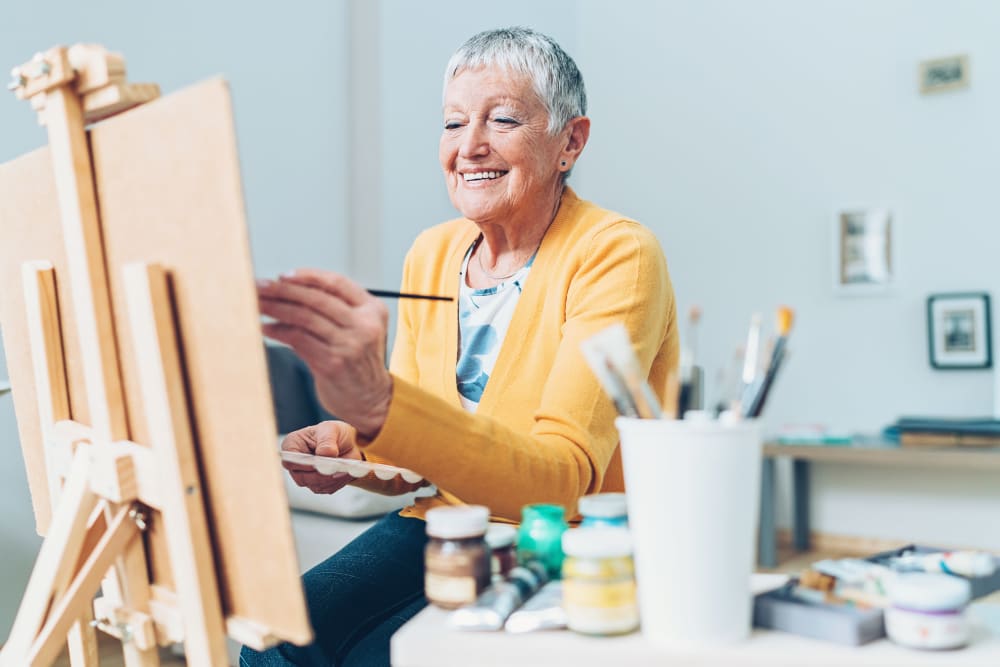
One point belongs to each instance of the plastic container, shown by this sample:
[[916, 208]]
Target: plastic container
[[599, 592], [540, 536], [457, 558], [693, 497], [928, 611], [604, 509]]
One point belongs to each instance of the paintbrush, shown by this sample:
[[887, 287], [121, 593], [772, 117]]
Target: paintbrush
[[611, 380], [609, 354], [756, 404], [750, 363], [672, 397], [688, 362], [407, 295]]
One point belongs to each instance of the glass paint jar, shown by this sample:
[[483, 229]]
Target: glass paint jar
[[603, 509], [540, 536], [599, 591], [457, 558], [503, 555]]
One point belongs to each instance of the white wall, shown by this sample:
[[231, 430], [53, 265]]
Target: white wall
[[736, 129], [287, 65]]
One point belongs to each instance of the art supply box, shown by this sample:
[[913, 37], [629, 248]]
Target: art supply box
[[779, 609]]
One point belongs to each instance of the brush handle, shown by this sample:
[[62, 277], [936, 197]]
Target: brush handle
[[757, 404], [407, 295]]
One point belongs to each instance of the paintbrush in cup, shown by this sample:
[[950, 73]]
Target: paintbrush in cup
[[609, 354], [672, 396], [756, 405], [751, 355], [688, 361]]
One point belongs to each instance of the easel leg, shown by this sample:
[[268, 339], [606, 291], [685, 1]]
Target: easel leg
[[128, 584], [49, 363], [82, 641], [66, 611], [82, 637], [56, 560], [183, 513]]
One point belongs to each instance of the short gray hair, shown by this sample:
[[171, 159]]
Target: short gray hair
[[553, 74]]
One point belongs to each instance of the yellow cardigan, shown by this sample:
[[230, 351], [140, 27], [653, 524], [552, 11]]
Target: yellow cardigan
[[544, 430]]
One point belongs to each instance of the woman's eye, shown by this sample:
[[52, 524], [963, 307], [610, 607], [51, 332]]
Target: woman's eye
[[504, 120], [452, 125]]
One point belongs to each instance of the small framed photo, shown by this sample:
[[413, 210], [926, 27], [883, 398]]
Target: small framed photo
[[942, 74], [958, 330], [864, 251]]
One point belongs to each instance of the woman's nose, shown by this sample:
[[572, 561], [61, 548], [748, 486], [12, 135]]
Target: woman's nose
[[475, 141]]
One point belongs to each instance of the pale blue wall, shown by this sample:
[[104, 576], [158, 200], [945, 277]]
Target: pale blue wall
[[736, 129]]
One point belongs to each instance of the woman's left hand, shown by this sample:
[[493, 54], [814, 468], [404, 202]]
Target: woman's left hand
[[339, 330]]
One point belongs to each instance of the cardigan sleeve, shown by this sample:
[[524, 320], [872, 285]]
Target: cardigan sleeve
[[621, 276]]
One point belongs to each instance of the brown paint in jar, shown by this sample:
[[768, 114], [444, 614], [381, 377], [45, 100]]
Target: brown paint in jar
[[457, 558]]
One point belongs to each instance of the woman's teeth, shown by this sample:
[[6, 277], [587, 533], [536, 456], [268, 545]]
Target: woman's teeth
[[483, 175]]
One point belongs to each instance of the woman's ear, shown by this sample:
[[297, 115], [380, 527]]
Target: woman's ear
[[576, 133]]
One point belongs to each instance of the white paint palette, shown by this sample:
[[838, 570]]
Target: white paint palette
[[328, 465]]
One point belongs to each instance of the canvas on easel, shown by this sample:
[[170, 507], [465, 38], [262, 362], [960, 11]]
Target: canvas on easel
[[181, 323]]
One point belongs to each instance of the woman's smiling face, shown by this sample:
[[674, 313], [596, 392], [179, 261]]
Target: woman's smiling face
[[498, 157]]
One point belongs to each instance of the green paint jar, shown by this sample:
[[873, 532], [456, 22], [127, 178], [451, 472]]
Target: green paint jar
[[540, 536]]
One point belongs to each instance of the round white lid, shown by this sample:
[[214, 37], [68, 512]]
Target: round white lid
[[921, 591], [457, 522], [603, 505], [500, 535], [597, 542]]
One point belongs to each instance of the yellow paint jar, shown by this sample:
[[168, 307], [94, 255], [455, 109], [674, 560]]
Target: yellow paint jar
[[599, 581]]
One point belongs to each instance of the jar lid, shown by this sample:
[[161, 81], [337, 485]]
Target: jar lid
[[544, 511], [461, 521], [604, 505], [920, 591], [598, 542], [500, 535]]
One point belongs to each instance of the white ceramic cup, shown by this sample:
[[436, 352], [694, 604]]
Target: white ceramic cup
[[693, 493]]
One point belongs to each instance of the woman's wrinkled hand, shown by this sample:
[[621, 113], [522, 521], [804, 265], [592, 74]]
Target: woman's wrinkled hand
[[339, 330], [329, 438]]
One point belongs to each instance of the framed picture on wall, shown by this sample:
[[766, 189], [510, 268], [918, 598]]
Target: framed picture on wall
[[944, 74], [958, 330], [864, 259]]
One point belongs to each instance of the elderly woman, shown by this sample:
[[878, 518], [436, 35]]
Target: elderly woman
[[492, 401]]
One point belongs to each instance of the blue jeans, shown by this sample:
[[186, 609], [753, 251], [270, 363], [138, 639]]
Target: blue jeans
[[358, 598]]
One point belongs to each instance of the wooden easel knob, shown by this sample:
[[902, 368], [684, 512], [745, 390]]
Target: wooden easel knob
[[95, 74]]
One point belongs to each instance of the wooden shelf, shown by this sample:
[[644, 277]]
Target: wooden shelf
[[979, 458]]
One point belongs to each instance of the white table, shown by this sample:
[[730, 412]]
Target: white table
[[427, 641]]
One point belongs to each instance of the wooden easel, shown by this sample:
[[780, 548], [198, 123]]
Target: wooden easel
[[105, 488]]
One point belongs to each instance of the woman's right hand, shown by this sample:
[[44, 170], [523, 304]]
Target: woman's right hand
[[329, 438]]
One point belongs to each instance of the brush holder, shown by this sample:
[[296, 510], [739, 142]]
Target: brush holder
[[693, 492]]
